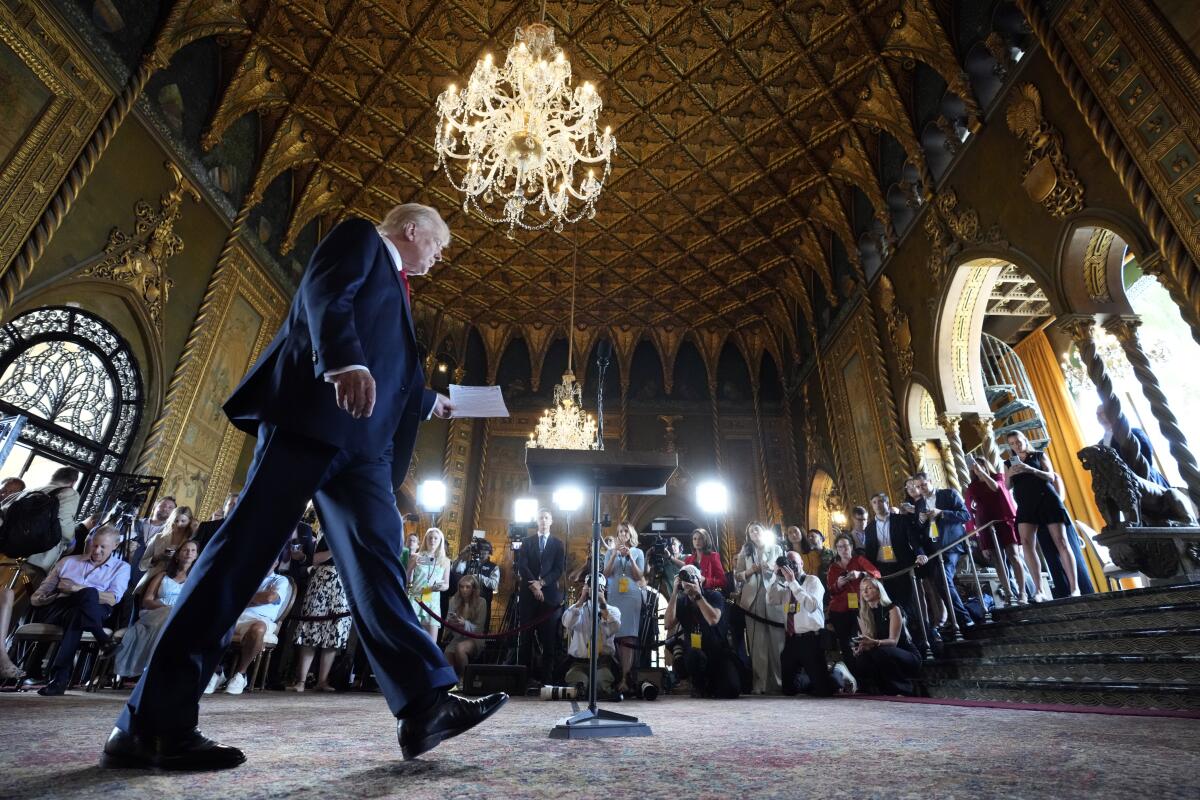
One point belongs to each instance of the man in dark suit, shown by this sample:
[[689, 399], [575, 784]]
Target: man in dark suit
[[1143, 442], [208, 529], [348, 341], [540, 562], [892, 544], [944, 513]]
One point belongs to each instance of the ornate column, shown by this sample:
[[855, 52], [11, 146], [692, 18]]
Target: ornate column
[[183, 25], [727, 541], [481, 482], [946, 456], [987, 437], [771, 508], [789, 432], [917, 447], [960, 473], [1125, 329], [455, 461], [1082, 328], [623, 504]]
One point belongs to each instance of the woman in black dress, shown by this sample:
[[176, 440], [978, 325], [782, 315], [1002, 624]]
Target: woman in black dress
[[886, 660], [1031, 477]]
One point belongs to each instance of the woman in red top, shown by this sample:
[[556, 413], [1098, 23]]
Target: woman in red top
[[989, 500], [842, 583], [705, 556]]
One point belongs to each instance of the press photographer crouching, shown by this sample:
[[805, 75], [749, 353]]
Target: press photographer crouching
[[476, 559], [802, 662], [577, 619], [702, 652]]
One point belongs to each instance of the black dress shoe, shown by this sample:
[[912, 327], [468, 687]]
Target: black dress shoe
[[52, 689], [449, 716], [191, 751]]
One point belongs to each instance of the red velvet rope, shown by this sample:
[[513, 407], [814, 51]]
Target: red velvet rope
[[515, 631]]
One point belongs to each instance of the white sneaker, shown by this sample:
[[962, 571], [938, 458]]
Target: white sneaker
[[236, 685], [842, 677], [214, 682]]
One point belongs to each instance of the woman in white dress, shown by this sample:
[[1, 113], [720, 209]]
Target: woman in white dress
[[428, 577], [625, 567], [162, 591], [755, 572]]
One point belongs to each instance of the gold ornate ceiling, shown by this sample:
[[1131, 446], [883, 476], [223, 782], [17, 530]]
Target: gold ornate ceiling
[[743, 126]]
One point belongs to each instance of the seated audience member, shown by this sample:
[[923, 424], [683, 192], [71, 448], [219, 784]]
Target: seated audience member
[[802, 661], [989, 501], [180, 527], [885, 658], [324, 621], [705, 557], [577, 619], [206, 530], [468, 611], [160, 595], [706, 658], [842, 581], [10, 486], [258, 620], [78, 594]]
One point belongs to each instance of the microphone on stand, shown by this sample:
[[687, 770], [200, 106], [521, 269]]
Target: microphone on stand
[[603, 357]]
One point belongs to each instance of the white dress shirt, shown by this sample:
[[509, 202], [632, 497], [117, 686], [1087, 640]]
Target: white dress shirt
[[803, 600], [578, 622]]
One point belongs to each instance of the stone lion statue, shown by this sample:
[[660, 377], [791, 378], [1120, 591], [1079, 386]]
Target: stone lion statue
[[1125, 498]]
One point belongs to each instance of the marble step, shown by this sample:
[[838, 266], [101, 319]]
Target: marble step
[[1096, 668], [1178, 640], [1133, 695], [1133, 598], [1081, 621]]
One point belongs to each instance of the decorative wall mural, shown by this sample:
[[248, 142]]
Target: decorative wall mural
[[195, 447]]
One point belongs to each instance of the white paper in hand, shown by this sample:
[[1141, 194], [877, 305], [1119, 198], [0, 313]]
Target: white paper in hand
[[477, 401]]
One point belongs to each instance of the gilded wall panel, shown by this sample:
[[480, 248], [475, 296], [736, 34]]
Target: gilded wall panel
[[198, 449], [51, 99], [857, 405]]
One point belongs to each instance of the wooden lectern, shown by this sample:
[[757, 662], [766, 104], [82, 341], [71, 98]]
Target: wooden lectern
[[603, 472]]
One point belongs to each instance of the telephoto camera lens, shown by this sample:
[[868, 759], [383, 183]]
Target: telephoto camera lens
[[649, 691], [782, 561], [558, 693]]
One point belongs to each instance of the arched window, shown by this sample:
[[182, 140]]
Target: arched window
[[74, 379]]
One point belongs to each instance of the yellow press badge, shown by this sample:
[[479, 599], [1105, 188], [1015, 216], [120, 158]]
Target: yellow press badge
[[695, 640], [427, 596], [934, 533], [792, 608], [886, 553], [623, 585], [852, 600]]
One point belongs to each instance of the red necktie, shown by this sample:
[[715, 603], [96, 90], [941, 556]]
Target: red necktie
[[404, 280]]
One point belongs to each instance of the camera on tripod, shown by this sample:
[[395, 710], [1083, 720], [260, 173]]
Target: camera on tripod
[[657, 553], [478, 552], [519, 530]]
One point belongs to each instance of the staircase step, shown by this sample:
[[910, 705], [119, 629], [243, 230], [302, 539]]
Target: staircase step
[[1150, 597], [999, 390], [1153, 669], [1031, 424], [1176, 697], [1012, 407], [1087, 621], [1133, 641]]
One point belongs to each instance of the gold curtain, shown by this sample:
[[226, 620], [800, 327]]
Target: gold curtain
[[1066, 439]]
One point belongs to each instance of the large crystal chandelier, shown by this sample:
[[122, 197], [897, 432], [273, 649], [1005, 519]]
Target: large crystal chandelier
[[518, 133], [565, 425]]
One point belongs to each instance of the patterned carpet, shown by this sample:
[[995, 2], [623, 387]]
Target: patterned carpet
[[335, 746]]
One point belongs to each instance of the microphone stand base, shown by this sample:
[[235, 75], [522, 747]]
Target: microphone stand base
[[597, 724]]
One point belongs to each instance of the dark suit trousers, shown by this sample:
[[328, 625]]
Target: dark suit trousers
[[357, 509], [804, 652], [76, 613], [548, 635]]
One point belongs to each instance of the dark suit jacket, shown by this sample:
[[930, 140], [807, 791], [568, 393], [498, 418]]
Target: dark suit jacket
[[951, 524], [905, 542], [532, 563], [351, 308], [1147, 449], [205, 532]]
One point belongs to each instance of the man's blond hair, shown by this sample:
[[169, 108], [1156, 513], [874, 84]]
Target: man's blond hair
[[424, 217]]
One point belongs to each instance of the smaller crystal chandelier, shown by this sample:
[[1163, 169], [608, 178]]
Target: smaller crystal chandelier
[[519, 132], [565, 425]]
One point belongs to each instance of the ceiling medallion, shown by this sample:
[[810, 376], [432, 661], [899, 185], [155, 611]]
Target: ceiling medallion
[[565, 425], [517, 134]]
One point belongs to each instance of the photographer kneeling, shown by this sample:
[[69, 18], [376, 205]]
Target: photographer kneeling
[[885, 658], [803, 654], [577, 619], [707, 659]]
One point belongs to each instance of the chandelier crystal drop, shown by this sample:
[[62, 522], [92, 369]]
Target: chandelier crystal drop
[[520, 136]]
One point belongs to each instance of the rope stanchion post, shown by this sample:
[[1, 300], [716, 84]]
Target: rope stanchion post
[[919, 602]]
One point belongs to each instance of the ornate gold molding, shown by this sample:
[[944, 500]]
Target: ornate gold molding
[[139, 260], [899, 330], [1046, 179], [950, 229], [1095, 265], [67, 97]]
